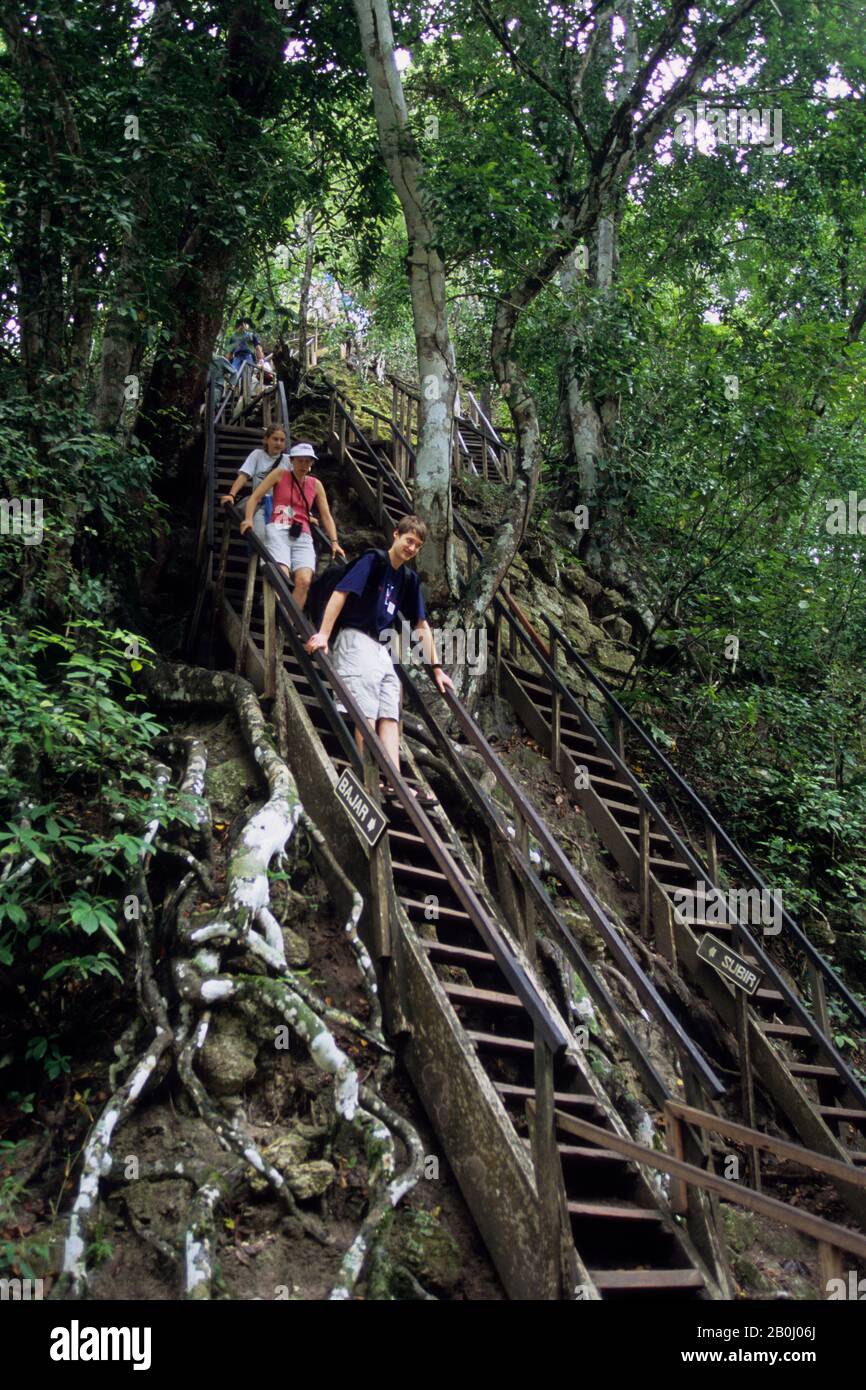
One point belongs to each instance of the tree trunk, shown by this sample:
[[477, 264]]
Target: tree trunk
[[436, 365], [586, 419], [174, 389], [304, 298]]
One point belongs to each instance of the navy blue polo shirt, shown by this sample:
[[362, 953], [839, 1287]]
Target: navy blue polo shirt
[[373, 607]]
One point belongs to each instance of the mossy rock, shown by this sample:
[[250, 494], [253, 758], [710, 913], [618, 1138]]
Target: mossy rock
[[609, 601], [748, 1275], [229, 785], [575, 607], [579, 637], [740, 1228], [297, 948], [578, 581], [529, 759], [421, 1243], [288, 1150], [308, 1180], [614, 658], [584, 931], [618, 628]]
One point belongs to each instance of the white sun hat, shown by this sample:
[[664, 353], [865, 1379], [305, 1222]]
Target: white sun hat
[[302, 451]]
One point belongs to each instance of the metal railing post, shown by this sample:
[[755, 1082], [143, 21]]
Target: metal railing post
[[644, 881], [555, 708], [541, 1122], [270, 652], [246, 614]]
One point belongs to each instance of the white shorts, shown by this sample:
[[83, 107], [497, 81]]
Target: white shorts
[[367, 671], [298, 555]]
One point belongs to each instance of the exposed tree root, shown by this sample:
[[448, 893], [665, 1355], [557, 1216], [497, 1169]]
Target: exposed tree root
[[380, 1123], [204, 960]]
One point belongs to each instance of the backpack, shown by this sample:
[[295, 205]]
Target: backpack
[[324, 585]]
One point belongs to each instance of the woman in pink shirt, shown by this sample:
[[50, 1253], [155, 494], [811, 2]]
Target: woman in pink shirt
[[288, 536]]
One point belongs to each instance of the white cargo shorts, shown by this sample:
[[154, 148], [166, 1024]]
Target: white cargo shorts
[[297, 555], [365, 667]]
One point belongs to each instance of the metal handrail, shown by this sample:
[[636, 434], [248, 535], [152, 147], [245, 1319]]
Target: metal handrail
[[809, 950], [493, 434], [210, 460]]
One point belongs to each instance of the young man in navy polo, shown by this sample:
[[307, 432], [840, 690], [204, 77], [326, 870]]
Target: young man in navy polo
[[367, 600]]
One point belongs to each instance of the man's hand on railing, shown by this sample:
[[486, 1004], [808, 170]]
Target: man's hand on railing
[[246, 526], [442, 679], [227, 499], [317, 643]]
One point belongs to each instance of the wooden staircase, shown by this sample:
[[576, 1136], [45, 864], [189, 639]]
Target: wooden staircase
[[626, 1243]]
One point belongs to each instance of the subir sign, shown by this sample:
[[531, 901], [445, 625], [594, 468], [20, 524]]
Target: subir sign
[[734, 968], [368, 817]]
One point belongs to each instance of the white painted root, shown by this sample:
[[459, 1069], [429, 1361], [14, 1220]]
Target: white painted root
[[387, 1188], [97, 1160]]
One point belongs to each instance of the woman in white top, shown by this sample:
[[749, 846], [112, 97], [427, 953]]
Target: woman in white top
[[257, 466]]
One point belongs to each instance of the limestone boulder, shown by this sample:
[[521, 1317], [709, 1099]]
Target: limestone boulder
[[228, 1059]]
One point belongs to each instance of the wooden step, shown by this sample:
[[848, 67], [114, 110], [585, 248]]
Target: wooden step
[[812, 1069], [410, 781], [581, 757], [408, 837], [493, 1042], [450, 912], [561, 1099], [620, 1211], [632, 809], [672, 888], [839, 1112], [459, 954], [467, 994], [417, 871], [654, 834], [619, 787], [578, 1151], [638, 1280], [671, 864], [784, 1030]]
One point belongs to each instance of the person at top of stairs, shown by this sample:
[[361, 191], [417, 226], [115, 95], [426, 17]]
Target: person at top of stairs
[[256, 466], [366, 601], [243, 346], [288, 535]]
